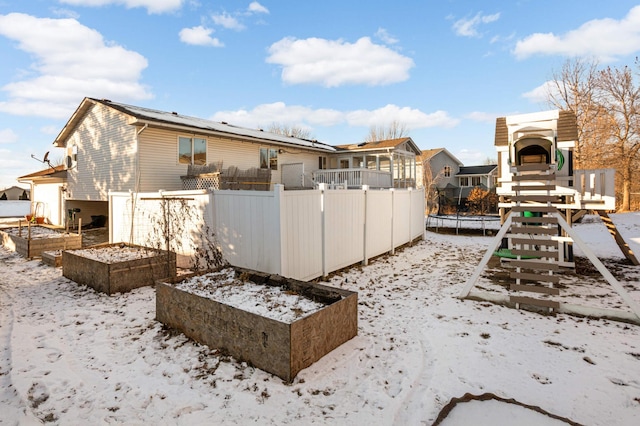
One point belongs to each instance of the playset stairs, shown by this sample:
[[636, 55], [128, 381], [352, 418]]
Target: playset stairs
[[534, 228], [531, 236]]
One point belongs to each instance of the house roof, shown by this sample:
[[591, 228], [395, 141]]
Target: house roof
[[174, 120], [476, 170], [51, 172], [429, 153], [13, 188], [380, 145]]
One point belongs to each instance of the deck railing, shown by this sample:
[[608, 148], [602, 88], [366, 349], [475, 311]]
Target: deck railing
[[354, 178]]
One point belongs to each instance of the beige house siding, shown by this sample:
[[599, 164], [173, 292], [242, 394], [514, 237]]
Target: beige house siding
[[160, 169], [106, 154], [158, 160]]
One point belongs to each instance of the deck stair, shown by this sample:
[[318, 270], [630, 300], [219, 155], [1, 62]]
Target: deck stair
[[531, 234]]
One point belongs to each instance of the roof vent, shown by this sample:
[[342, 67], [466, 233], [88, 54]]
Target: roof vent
[[106, 100], [223, 122], [174, 113]]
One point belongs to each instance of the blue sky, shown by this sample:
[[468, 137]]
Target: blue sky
[[445, 69]]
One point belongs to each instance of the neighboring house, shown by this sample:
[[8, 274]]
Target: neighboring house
[[448, 181], [114, 147], [14, 193], [47, 193], [393, 157], [437, 168], [484, 177]]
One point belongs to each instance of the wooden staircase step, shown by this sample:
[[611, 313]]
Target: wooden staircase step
[[533, 167], [534, 178], [533, 241], [535, 264], [535, 289], [538, 253], [535, 277], [521, 188], [523, 300], [524, 219], [534, 208], [536, 198], [535, 230]]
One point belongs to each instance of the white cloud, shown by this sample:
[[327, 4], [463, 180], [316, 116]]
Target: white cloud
[[469, 156], [8, 136], [468, 27], [411, 117], [605, 39], [333, 63], [540, 93], [199, 36], [278, 112], [255, 7], [70, 61], [384, 35], [227, 21], [152, 6], [484, 117]]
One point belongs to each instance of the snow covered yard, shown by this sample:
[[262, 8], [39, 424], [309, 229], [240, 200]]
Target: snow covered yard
[[70, 355]]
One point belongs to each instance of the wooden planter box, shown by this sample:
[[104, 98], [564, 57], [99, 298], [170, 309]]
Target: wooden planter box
[[34, 247], [52, 258], [118, 277], [280, 348]]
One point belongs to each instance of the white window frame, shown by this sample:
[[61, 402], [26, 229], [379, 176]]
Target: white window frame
[[192, 140]]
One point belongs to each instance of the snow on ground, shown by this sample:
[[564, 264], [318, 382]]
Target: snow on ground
[[268, 301], [115, 253], [37, 232], [70, 355]]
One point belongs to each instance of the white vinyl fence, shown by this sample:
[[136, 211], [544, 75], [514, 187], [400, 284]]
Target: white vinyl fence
[[298, 234]]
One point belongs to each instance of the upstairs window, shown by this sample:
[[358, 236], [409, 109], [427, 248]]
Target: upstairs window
[[192, 151], [269, 158], [447, 171]]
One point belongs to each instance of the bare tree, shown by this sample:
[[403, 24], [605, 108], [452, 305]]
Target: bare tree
[[620, 98], [574, 88], [393, 130], [607, 107], [290, 130]]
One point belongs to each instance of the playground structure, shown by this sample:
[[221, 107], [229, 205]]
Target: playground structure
[[540, 196]]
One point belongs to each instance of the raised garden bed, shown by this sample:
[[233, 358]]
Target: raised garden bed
[[117, 268], [52, 258], [278, 325], [31, 241]]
